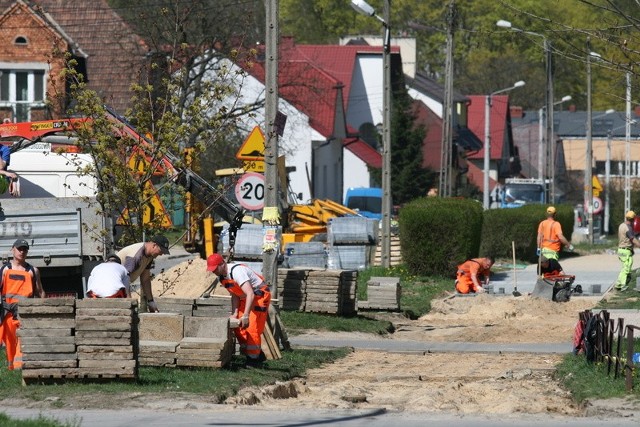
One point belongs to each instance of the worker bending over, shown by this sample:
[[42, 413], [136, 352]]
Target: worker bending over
[[550, 267], [109, 280], [250, 299], [467, 276]]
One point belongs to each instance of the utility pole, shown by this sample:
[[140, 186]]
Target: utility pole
[[446, 146], [271, 215], [551, 141], [588, 186], [627, 157]]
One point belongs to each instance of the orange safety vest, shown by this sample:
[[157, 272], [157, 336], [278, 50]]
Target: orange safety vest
[[550, 229], [250, 338], [16, 285], [464, 283]]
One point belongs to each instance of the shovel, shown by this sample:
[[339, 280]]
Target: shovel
[[515, 278]]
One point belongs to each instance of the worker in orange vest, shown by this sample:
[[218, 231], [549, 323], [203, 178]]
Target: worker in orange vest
[[19, 280], [467, 276], [550, 237], [250, 299]]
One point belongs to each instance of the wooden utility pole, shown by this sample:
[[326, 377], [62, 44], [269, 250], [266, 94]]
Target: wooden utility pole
[[271, 214]]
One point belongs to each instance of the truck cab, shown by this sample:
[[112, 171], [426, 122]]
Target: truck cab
[[520, 191], [366, 201]]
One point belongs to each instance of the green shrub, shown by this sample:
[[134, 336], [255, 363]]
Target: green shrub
[[519, 225], [437, 234]]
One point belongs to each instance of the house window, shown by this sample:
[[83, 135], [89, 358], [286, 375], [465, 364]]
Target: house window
[[20, 40], [22, 90]]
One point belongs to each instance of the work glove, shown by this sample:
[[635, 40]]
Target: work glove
[[152, 306], [244, 322], [570, 248], [538, 252]]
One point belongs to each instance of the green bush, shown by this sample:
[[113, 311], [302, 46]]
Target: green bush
[[437, 234], [519, 225]]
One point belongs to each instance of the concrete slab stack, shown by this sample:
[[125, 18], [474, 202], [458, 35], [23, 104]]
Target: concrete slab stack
[[383, 293], [216, 306], [207, 342], [182, 306], [292, 289], [318, 291], [47, 328], [107, 338], [160, 334]]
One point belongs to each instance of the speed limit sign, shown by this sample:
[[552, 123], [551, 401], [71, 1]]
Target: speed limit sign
[[250, 191], [597, 205]]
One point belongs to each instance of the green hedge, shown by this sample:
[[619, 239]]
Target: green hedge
[[438, 234], [519, 225]]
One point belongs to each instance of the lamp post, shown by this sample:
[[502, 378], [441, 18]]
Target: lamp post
[[487, 139], [541, 154], [364, 8], [548, 99]]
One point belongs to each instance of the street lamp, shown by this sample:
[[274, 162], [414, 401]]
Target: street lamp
[[541, 155], [548, 99], [364, 8], [487, 139], [588, 170]]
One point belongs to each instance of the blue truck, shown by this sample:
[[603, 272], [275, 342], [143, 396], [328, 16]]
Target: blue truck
[[367, 201]]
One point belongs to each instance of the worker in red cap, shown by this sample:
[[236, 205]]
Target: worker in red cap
[[550, 237], [250, 299]]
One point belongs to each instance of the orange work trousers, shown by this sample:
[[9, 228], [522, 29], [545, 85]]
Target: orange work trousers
[[250, 338], [11, 341]]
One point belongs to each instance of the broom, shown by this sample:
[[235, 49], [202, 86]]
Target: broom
[[515, 278]]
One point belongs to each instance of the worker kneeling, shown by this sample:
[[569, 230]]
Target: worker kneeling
[[552, 283], [250, 299], [467, 276]]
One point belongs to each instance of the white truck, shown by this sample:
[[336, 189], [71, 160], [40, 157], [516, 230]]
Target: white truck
[[519, 191]]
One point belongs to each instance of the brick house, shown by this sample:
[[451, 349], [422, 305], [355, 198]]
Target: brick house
[[36, 35]]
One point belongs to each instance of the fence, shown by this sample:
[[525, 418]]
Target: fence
[[607, 335]]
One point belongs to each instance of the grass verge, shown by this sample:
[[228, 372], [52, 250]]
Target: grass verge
[[216, 384], [40, 421]]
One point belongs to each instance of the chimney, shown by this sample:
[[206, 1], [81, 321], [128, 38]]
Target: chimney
[[572, 108], [516, 112]]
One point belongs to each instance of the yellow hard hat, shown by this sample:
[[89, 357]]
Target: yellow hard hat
[[551, 210], [630, 215]]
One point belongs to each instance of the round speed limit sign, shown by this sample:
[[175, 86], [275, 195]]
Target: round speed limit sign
[[597, 205], [250, 191]]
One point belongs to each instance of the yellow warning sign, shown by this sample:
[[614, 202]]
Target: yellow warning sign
[[253, 166], [253, 147], [597, 187], [154, 210]]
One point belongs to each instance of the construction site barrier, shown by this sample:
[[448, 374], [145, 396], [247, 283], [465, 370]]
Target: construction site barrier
[[609, 344]]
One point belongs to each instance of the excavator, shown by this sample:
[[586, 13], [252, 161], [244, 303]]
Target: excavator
[[197, 188]]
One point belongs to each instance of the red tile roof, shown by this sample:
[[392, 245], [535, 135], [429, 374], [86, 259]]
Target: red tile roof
[[497, 125], [114, 52], [308, 78]]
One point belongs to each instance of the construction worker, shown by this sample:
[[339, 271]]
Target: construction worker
[[627, 240], [550, 237], [467, 276], [109, 280], [19, 280], [550, 267], [250, 299], [137, 259]]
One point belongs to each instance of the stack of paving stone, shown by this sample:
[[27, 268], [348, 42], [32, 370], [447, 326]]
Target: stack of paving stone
[[352, 242], [207, 342], [305, 255], [107, 338], [292, 289], [318, 291], [47, 339], [160, 334], [215, 306], [182, 306], [383, 293]]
